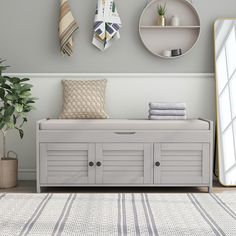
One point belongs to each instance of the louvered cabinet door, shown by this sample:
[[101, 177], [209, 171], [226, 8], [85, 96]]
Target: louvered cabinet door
[[124, 163], [181, 163], [67, 163]]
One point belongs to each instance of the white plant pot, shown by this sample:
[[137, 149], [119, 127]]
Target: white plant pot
[[175, 21]]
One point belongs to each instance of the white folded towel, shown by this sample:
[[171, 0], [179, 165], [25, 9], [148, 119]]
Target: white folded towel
[[167, 105], [107, 24], [167, 112], [167, 117]]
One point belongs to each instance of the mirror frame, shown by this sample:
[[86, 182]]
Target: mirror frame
[[218, 133]]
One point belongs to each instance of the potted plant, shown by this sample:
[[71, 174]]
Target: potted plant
[[15, 102], [161, 10]]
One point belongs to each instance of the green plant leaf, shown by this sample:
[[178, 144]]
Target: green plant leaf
[[2, 124], [2, 60], [10, 125], [9, 111], [2, 93], [30, 101], [14, 80], [17, 88], [15, 94], [2, 79], [21, 132], [14, 119], [24, 120], [24, 79], [161, 9], [10, 97], [26, 87], [6, 86], [19, 108], [5, 77], [34, 98], [3, 68], [25, 94]]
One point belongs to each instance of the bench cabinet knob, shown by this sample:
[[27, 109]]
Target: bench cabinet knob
[[99, 163], [157, 163], [91, 163]]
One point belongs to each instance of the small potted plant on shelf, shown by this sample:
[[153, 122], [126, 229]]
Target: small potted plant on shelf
[[161, 10], [15, 102]]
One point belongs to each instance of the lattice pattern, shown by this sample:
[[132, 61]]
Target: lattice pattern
[[84, 99]]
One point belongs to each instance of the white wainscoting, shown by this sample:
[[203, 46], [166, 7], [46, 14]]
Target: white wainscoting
[[128, 96]]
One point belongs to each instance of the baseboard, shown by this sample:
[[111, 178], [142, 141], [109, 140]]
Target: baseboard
[[27, 174]]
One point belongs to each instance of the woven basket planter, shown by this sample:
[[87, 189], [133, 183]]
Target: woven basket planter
[[8, 173]]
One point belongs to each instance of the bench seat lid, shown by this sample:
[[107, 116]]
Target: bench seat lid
[[123, 124]]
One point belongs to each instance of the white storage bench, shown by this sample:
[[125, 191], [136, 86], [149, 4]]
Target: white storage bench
[[124, 153]]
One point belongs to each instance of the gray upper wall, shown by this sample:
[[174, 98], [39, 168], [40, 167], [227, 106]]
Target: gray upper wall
[[29, 39]]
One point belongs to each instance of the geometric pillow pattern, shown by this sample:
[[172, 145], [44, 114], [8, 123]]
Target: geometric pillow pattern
[[84, 99]]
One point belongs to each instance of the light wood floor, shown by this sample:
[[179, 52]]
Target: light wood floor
[[30, 187]]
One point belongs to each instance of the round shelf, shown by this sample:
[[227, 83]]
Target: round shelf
[[159, 38]]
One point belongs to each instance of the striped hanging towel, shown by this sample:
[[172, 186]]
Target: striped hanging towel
[[67, 26], [107, 24]]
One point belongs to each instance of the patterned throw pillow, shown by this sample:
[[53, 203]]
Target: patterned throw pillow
[[84, 99]]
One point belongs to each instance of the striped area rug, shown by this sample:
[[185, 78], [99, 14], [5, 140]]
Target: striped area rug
[[118, 214]]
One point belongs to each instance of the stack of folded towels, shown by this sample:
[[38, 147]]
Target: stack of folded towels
[[167, 111]]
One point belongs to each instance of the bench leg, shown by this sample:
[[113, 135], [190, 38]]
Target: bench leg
[[210, 189], [38, 188]]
